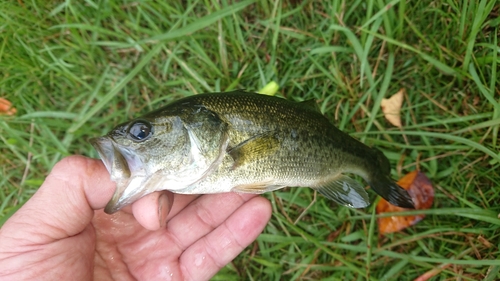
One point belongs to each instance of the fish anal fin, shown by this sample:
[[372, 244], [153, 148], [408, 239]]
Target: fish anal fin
[[345, 191], [254, 148], [256, 188]]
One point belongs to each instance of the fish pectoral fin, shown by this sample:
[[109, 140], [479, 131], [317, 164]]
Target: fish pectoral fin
[[254, 148], [256, 188], [345, 191]]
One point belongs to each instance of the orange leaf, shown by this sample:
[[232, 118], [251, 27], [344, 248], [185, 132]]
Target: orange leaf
[[6, 107], [421, 191]]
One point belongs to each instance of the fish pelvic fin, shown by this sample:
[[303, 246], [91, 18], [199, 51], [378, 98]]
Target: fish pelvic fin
[[345, 191], [391, 191]]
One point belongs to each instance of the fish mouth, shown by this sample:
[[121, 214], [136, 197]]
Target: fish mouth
[[114, 161], [122, 166]]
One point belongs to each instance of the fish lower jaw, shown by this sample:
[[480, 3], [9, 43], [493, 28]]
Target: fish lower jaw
[[137, 186], [127, 191]]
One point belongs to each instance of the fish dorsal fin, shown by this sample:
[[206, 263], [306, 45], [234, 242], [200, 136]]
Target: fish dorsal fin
[[345, 191], [311, 104], [254, 148]]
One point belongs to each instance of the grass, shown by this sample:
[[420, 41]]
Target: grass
[[73, 69]]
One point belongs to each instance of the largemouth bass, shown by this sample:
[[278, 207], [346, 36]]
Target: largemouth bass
[[243, 142]]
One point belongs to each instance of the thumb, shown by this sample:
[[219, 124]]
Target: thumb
[[65, 203]]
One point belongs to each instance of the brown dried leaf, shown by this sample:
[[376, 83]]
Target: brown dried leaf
[[6, 107], [391, 108], [421, 191]]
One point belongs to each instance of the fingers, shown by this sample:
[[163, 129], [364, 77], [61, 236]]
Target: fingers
[[180, 202], [152, 210], [64, 204], [155, 209], [203, 215], [209, 254]]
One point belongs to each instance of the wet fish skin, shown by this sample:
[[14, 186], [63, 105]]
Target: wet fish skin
[[245, 142]]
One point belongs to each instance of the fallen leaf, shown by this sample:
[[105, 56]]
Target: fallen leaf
[[421, 191], [391, 108], [6, 107]]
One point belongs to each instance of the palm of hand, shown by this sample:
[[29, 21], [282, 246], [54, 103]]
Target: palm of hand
[[198, 240], [201, 235]]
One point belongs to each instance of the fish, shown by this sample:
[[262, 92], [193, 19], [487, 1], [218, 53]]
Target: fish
[[242, 142]]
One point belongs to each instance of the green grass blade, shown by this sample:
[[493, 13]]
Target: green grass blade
[[116, 89], [201, 23]]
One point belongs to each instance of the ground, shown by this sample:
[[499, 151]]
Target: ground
[[74, 69]]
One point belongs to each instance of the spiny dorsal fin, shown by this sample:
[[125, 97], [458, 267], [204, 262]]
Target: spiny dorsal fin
[[311, 105], [345, 191]]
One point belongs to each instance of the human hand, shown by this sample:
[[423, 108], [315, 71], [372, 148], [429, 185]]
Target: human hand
[[61, 233]]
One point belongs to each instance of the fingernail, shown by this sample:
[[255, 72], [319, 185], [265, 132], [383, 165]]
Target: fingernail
[[163, 209]]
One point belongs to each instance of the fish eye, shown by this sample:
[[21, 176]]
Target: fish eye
[[140, 130]]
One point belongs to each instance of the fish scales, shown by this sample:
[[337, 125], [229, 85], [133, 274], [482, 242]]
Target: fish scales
[[244, 142], [309, 146]]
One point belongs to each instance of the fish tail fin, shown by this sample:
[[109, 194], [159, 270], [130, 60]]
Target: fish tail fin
[[384, 185], [392, 192]]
